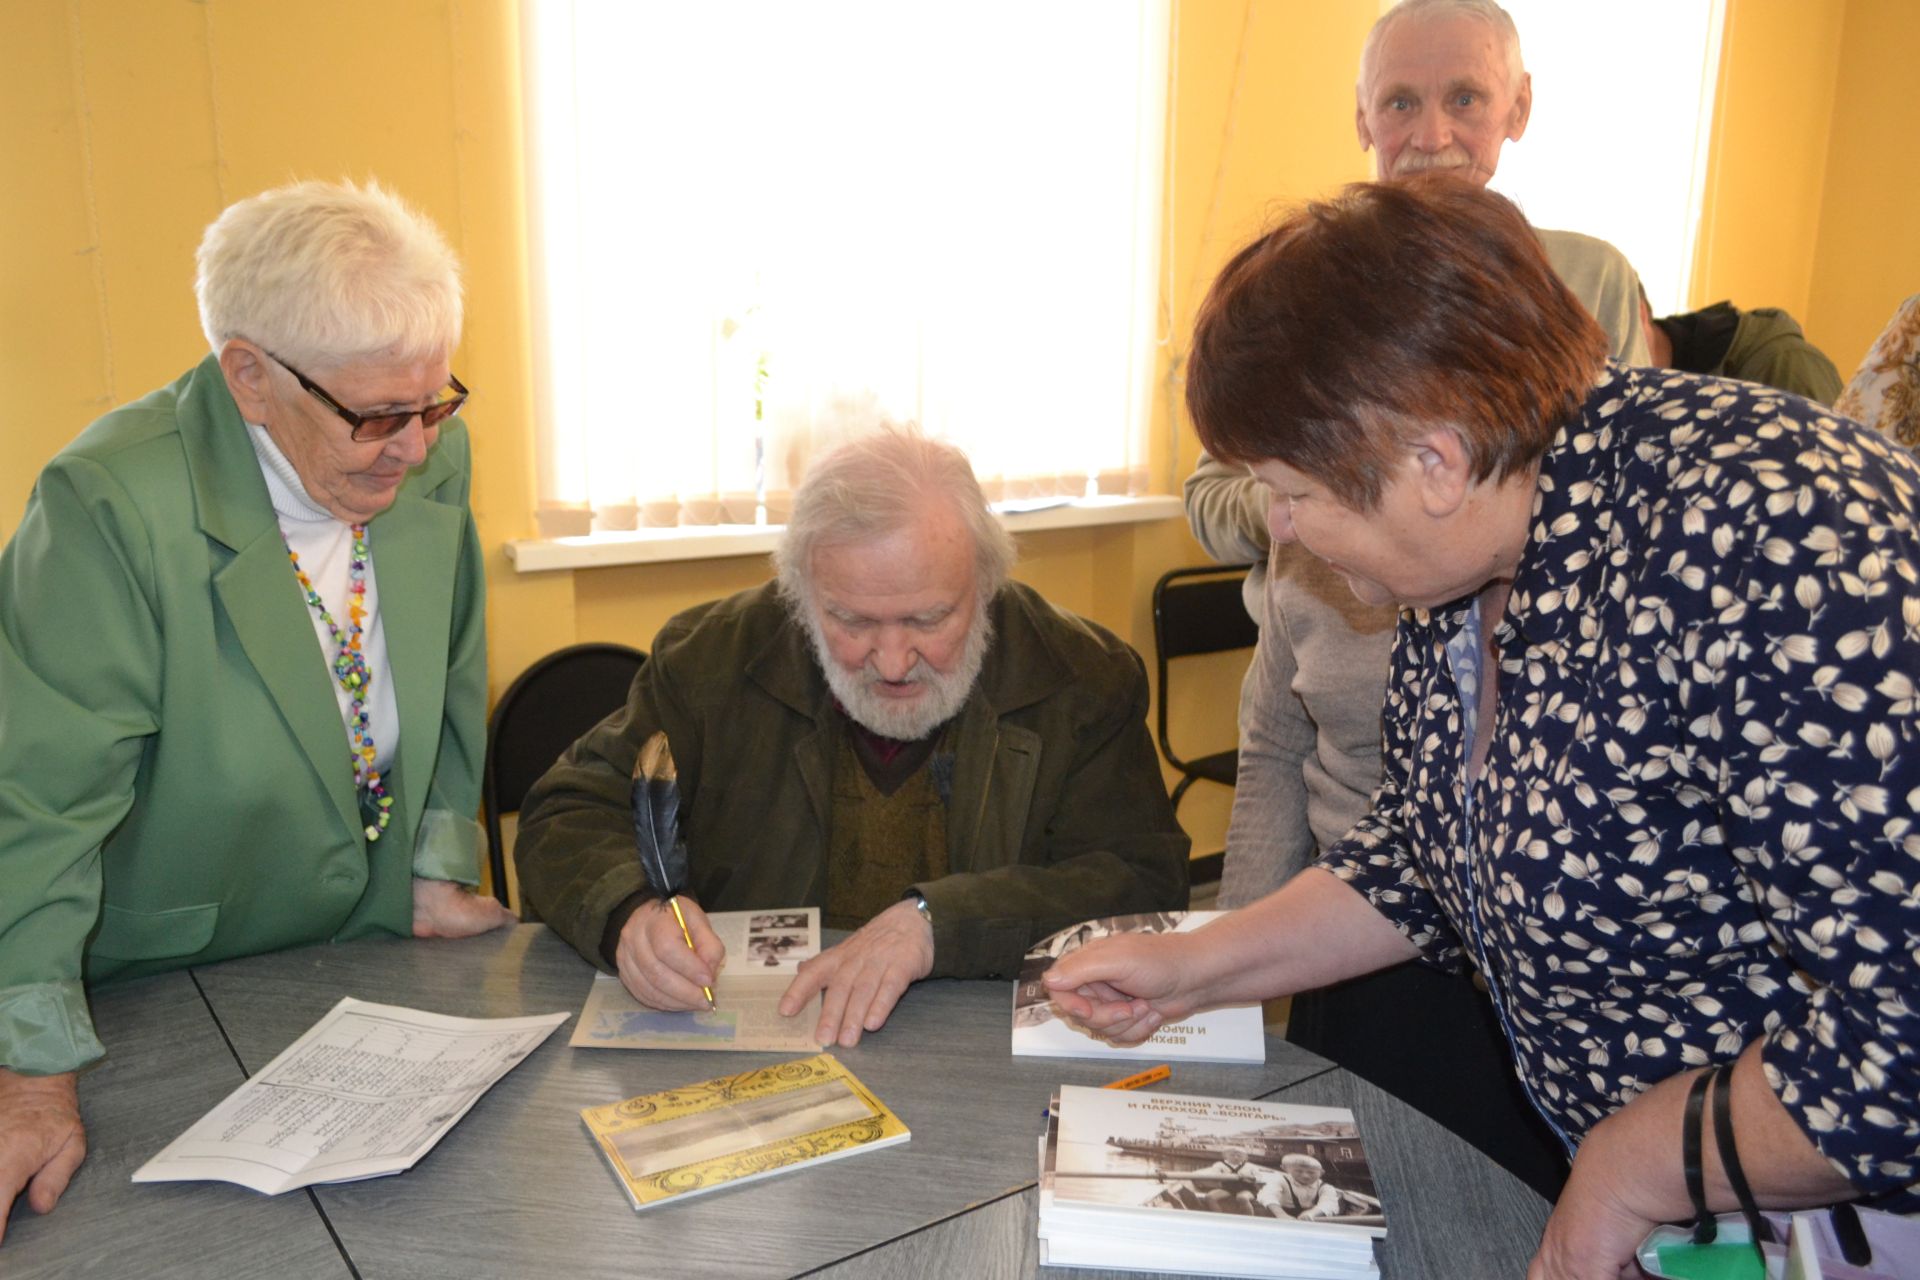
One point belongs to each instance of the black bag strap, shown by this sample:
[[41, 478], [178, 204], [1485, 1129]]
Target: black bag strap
[[1704, 1227], [1730, 1156]]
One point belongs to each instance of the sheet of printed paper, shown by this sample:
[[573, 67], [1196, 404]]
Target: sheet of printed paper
[[367, 1091], [764, 951]]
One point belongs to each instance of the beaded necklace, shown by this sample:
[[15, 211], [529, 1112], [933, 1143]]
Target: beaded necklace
[[350, 669]]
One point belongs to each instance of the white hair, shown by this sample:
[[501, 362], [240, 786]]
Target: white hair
[[328, 273], [877, 485], [906, 720], [1486, 11]]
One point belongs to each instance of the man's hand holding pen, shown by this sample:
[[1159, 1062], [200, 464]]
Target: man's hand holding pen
[[655, 962]]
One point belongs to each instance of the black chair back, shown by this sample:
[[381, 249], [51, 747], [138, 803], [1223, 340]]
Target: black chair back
[[1196, 611], [542, 713]]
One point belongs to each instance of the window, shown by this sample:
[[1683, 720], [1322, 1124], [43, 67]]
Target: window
[[1622, 115], [758, 225]]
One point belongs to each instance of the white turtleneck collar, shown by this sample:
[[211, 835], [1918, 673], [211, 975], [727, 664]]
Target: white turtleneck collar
[[290, 498]]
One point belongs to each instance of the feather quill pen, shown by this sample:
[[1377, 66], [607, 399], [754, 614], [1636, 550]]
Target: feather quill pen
[[656, 830]]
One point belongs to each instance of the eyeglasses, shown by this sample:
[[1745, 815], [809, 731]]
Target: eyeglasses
[[378, 426]]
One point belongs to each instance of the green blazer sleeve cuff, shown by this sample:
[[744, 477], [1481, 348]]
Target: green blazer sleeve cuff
[[448, 847], [45, 1030]]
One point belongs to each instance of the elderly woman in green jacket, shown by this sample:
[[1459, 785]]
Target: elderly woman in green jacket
[[242, 653]]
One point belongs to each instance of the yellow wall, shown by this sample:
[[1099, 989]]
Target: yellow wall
[[128, 124], [1763, 191], [1813, 201], [1867, 258]]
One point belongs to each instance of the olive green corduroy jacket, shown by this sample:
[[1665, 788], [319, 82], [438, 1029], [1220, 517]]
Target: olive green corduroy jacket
[[1057, 812], [175, 786]]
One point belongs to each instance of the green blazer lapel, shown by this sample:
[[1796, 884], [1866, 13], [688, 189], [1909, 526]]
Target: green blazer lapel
[[415, 545], [256, 586], [229, 494], [262, 600]]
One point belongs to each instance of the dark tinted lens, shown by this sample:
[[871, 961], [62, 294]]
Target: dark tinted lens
[[434, 414], [382, 426]]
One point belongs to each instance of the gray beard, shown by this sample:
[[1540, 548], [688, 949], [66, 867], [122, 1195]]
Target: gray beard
[[911, 719]]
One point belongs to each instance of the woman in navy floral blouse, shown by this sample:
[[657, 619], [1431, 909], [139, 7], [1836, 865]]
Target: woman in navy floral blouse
[[1653, 726]]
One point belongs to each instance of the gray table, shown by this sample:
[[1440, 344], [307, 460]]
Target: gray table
[[167, 1065], [516, 1189]]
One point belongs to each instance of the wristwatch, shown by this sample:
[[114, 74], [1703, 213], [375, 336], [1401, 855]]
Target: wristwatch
[[919, 901]]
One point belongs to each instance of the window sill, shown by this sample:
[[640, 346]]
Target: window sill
[[709, 542]]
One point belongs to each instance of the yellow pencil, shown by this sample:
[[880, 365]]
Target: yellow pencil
[[1141, 1079]]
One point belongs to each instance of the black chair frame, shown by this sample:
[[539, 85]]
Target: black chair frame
[[1196, 611], [547, 707]]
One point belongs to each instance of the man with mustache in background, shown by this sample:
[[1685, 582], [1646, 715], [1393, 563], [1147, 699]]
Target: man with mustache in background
[[1442, 86]]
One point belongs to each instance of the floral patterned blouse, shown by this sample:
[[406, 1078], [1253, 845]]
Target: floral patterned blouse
[[1695, 824]]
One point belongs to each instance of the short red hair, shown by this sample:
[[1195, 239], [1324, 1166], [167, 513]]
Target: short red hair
[[1397, 306]]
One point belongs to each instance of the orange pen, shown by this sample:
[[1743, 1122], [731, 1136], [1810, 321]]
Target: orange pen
[[1141, 1079]]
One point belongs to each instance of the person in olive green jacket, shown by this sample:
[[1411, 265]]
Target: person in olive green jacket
[[242, 652], [891, 731], [1764, 345]]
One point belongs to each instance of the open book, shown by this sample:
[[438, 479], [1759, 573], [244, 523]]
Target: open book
[[764, 951], [683, 1142], [1231, 1034]]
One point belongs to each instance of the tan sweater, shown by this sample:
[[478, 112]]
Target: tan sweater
[[1310, 725]]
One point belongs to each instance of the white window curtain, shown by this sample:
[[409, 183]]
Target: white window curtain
[[1622, 117], [760, 226]]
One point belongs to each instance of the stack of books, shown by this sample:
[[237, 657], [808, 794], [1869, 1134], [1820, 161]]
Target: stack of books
[[1213, 1186]]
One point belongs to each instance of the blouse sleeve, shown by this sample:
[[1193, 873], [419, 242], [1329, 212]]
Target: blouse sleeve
[[1801, 713], [1376, 857]]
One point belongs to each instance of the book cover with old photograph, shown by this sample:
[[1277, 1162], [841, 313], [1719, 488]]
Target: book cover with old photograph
[[1234, 1033], [1221, 1186]]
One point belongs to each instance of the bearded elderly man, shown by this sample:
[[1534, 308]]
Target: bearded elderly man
[[891, 731]]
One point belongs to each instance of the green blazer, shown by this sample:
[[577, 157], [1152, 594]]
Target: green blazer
[[175, 786]]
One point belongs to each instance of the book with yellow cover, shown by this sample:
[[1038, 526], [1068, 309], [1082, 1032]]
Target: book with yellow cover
[[682, 1142]]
